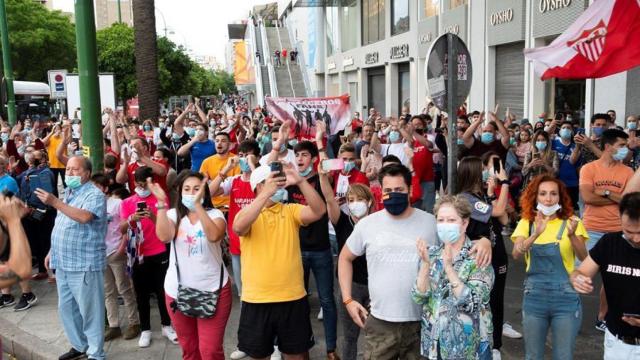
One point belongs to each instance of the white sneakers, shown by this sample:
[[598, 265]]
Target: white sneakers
[[276, 354], [320, 315], [237, 355], [169, 333], [496, 354], [145, 339], [510, 332]]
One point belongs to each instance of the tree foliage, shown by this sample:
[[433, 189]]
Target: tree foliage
[[40, 39], [115, 54]]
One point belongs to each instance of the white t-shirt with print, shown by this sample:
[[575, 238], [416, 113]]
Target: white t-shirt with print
[[198, 258]]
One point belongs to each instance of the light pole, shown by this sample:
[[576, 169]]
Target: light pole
[[164, 21], [119, 12], [8, 66]]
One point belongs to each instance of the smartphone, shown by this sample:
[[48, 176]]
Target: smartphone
[[141, 206], [580, 131], [536, 155], [277, 167], [332, 164], [637, 316], [496, 165], [42, 181]]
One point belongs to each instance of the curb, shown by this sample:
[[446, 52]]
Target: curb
[[24, 346]]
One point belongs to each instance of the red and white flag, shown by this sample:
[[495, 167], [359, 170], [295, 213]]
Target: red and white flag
[[604, 40]]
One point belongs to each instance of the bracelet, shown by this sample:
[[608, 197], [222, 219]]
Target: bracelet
[[348, 301], [160, 206]]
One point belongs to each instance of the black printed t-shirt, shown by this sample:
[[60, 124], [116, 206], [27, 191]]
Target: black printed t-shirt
[[315, 236], [619, 264], [343, 229]]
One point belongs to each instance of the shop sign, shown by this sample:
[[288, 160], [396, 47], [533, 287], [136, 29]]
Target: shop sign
[[399, 51], [348, 61], [501, 17], [371, 58], [551, 5], [331, 66], [454, 29], [425, 38]]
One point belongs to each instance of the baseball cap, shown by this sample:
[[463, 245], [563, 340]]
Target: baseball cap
[[259, 175], [524, 121]]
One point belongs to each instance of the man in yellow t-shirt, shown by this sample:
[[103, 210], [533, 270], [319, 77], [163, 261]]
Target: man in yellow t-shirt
[[274, 300], [214, 165], [51, 142]]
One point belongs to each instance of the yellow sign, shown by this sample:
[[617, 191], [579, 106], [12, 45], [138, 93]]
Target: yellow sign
[[242, 67], [86, 151]]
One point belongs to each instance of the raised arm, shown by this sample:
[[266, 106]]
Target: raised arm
[[467, 137], [248, 215], [18, 266], [315, 208]]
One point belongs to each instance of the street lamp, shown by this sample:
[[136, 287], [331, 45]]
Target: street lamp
[[164, 21]]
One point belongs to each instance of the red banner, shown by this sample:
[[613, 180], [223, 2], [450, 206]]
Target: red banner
[[304, 112]]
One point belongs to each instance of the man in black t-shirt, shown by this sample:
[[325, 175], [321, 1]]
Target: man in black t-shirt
[[315, 246], [617, 257], [488, 140]]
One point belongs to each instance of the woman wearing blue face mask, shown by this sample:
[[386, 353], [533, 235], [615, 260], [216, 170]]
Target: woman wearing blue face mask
[[453, 290], [542, 159]]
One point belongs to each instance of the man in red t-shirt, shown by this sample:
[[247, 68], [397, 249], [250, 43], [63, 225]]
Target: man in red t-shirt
[[423, 164], [350, 174], [140, 157]]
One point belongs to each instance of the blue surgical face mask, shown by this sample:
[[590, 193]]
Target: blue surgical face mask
[[190, 131], [394, 136], [279, 196], [73, 181], [189, 201], [597, 131], [143, 193], [632, 126], [485, 175], [621, 154], [448, 233], [306, 172], [348, 166], [244, 165], [4, 137], [565, 133], [460, 142], [175, 137], [486, 137], [512, 141], [148, 128], [541, 145], [293, 142]]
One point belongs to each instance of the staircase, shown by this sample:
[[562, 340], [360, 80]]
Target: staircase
[[296, 71], [264, 72], [289, 82]]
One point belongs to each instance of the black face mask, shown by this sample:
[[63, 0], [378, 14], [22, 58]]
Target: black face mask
[[420, 131], [396, 202], [36, 162]]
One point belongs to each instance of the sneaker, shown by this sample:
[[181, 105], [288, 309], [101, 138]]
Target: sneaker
[[72, 355], [496, 354], [7, 300], [112, 333], [27, 300], [237, 355], [132, 332], [276, 354], [601, 325], [510, 332], [169, 333], [320, 315], [145, 339]]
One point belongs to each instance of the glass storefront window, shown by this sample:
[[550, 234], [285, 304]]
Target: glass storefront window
[[455, 3], [332, 30], [349, 35], [404, 87], [431, 8], [399, 16], [372, 21]]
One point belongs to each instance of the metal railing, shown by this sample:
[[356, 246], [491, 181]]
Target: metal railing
[[300, 60], [293, 91], [258, 66], [267, 60]]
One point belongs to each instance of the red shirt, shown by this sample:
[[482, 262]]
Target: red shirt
[[160, 180], [240, 195], [284, 52], [355, 177], [356, 123], [422, 162]]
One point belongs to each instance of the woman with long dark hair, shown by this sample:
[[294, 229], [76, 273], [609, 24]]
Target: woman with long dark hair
[[550, 237], [487, 189], [541, 159], [194, 230]]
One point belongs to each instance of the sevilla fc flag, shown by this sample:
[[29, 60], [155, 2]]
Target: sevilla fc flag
[[603, 41]]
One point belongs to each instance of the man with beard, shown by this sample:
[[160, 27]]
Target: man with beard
[[213, 165]]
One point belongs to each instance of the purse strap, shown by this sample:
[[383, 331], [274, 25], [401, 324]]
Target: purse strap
[[175, 257]]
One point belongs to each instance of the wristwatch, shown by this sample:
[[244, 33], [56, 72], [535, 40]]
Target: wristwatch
[[505, 182], [606, 193]]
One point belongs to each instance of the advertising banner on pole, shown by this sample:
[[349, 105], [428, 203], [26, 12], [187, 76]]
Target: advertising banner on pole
[[304, 112]]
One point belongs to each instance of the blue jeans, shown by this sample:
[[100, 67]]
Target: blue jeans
[[594, 237], [558, 309], [428, 196], [237, 273], [81, 310], [321, 263]]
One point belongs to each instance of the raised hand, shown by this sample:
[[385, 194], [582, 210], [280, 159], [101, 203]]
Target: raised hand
[[200, 194], [156, 190], [540, 223], [423, 251]]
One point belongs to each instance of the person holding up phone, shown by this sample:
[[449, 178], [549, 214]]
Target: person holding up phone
[[617, 257], [542, 159], [148, 257]]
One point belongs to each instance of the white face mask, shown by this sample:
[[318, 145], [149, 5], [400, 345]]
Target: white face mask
[[548, 210], [358, 208]]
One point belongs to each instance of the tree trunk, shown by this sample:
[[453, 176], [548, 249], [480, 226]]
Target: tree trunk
[[146, 49]]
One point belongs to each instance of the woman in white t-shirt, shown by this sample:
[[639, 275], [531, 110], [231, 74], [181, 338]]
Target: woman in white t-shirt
[[195, 244]]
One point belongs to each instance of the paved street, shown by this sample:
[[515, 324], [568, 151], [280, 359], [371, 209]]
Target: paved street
[[38, 330]]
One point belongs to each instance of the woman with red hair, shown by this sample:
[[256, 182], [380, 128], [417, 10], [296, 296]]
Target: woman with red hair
[[550, 237]]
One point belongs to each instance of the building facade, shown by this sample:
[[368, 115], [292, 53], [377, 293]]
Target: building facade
[[106, 12], [375, 50]]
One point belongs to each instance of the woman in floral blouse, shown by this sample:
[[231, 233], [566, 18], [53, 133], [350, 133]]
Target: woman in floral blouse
[[453, 290]]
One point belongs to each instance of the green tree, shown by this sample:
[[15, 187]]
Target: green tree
[[41, 40], [174, 68], [116, 55]]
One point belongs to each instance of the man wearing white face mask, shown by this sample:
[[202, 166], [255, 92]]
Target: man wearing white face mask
[[602, 183], [274, 300]]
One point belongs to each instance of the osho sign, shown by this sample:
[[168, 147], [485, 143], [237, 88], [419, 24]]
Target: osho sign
[[58, 83]]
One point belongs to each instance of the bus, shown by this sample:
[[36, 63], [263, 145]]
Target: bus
[[32, 98]]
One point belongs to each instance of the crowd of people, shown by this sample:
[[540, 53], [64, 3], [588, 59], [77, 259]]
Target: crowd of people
[[199, 209]]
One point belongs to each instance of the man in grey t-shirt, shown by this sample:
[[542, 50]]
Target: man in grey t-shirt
[[388, 239]]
